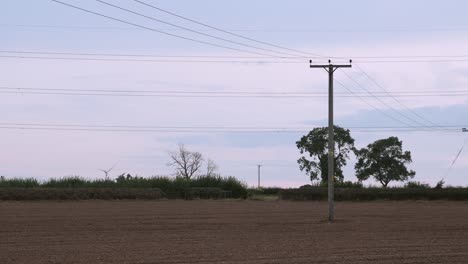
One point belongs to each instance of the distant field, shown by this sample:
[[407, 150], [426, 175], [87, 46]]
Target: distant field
[[232, 232]]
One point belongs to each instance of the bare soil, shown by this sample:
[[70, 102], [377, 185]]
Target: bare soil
[[232, 232]]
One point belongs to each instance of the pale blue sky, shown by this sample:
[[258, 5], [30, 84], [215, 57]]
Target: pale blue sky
[[339, 28]]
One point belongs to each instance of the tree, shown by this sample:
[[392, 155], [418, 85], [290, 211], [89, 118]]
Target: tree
[[211, 168], [316, 145], [186, 163], [385, 161]]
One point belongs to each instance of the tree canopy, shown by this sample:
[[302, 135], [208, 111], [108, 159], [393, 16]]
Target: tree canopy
[[315, 144], [385, 161]]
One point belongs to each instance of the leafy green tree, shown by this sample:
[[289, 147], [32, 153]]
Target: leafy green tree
[[385, 161], [315, 144]]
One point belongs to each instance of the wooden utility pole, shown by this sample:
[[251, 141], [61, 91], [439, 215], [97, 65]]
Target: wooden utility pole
[[331, 68], [259, 167]]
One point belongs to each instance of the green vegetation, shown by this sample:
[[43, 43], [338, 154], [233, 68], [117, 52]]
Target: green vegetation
[[206, 193], [370, 194], [344, 184], [385, 161], [18, 183], [315, 145], [173, 188], [419, 185], [210, 187], [19, 194]]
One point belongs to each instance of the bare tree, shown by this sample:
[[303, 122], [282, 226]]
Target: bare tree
[[186, 163], [211, 168]]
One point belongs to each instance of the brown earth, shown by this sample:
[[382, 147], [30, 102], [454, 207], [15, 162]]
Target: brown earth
[[232, 232]]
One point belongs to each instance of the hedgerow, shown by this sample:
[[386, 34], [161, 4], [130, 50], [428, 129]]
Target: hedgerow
[[370, 194], [171, 187]]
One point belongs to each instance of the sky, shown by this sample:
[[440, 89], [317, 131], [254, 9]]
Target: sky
[[344, 29]]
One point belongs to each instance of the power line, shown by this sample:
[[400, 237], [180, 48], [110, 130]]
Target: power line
[[454, 160], [383, 102], [222, 57], [159, 95], [364, 94], [222, 30], [458, 127], [214, 56], [373, 106], [138, 55], [90, 129], [267, 30], [410, 56], [158, 31], [394, 98], [188, 94], [412, 61], [150, 60], [192, 30], [289, 61]]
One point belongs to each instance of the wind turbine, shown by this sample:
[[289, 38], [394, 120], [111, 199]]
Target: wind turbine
[[106, 172]]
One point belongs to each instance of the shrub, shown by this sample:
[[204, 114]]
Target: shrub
[[66, 182], [272, 190], [348, 184], [440, 184], [338, 184], [204, 193], [18, 183], [236, 187], [417, 185]]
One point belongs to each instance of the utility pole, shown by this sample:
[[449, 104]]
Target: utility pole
[[259, 166], [331, 68]]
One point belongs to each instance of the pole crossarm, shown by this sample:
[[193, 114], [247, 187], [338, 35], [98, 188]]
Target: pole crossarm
[[330, 65], [331, 68]]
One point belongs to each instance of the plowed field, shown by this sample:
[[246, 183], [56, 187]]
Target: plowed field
[[232, 232]]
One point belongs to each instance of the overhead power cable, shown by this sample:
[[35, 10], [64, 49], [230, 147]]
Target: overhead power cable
[[211, 131], [394, 97], [213, 56], [224, 31], [158, 31], [192, 30], [227, 129], [397, 93], [207, 94], [373, 106], [138, 55], [458, 127], [286, 60], [267, 30], [150, 60], [413, 61], [400, 113], [455, 160], [222, 57]]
